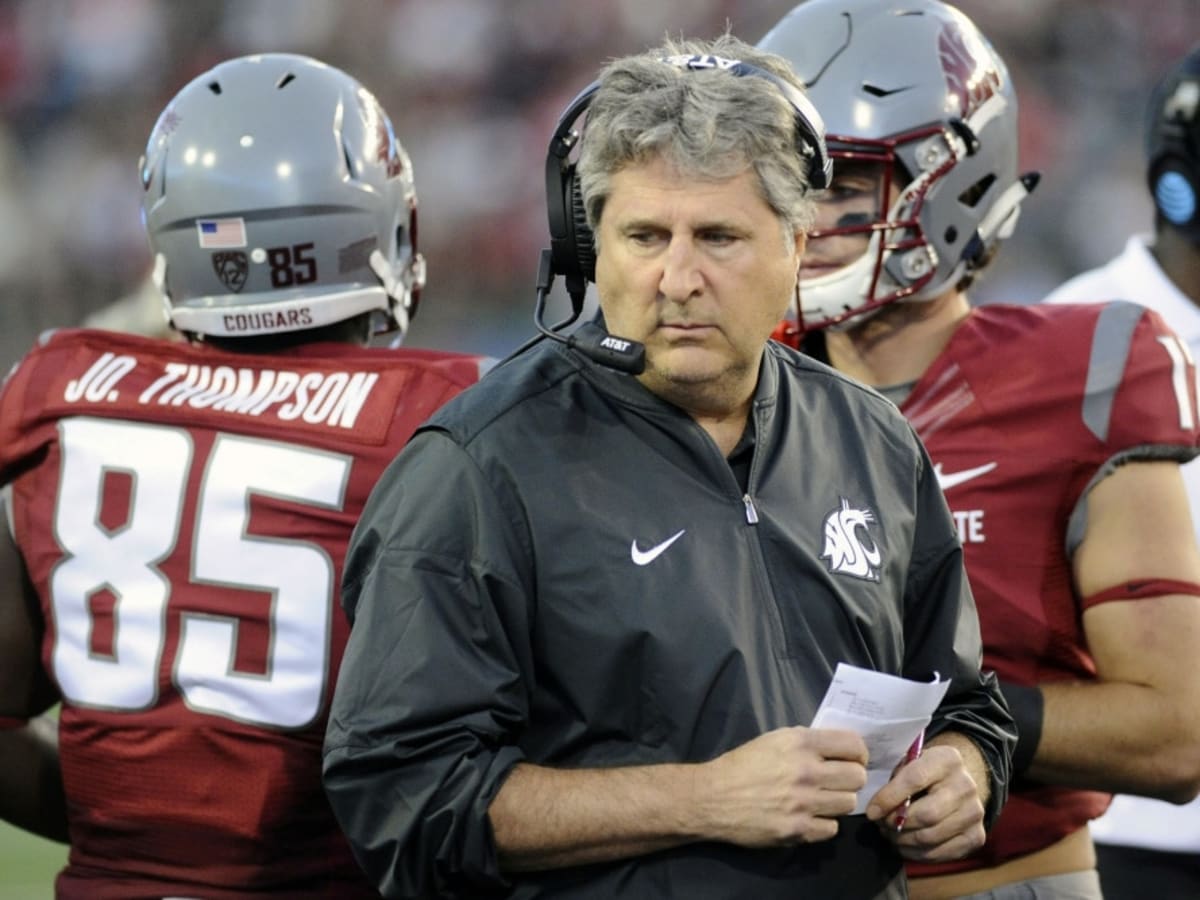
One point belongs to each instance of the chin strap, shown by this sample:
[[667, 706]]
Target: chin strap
[[399, 295], [788, 332]]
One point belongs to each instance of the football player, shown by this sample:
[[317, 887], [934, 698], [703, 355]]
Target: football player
[[1146, 846], [1057, 432], [181, 510]]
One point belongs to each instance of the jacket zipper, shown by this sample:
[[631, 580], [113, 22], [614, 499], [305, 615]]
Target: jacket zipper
[[751, 512]]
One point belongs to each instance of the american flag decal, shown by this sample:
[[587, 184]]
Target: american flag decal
[[216, 234]]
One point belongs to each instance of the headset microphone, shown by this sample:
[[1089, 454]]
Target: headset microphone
[[589, 339]]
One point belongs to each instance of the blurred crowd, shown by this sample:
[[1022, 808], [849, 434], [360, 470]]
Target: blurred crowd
[[474, 88]]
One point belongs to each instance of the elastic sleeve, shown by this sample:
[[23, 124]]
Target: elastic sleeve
[[431, 695], [1027, 705], [942, 636]]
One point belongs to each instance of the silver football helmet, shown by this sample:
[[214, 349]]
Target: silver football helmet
[[277, 198], [912, 92]]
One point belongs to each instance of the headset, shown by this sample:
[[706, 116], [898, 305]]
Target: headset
[[572, 252], [1173, 145]]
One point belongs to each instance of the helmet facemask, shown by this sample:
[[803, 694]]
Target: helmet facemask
[[867, 247], [914, 86]]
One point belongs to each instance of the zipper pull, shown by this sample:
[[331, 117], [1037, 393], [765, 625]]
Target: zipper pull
[[751, 512]]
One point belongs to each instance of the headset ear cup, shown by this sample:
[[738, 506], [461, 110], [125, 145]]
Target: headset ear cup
[[584, 240], [1174, 186], [562, 223]]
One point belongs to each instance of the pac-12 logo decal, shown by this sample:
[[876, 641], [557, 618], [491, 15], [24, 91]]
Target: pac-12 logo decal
[[849, 548], [231, 267]]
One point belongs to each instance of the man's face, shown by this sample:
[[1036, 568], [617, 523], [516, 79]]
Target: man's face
[[698, 271]]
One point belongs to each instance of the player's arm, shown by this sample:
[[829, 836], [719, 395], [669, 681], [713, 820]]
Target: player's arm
[[31, 792], [31, 789], [1136, 729]]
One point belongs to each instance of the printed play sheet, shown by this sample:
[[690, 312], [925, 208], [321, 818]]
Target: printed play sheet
[[886, 710]]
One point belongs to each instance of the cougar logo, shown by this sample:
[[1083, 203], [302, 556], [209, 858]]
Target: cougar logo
[[387, 149], [231, 267], [849, 549], [971, 74]]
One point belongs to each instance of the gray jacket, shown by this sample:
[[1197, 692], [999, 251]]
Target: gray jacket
[[562, 568]]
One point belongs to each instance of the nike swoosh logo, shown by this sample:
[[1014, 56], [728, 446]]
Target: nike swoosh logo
[[879, 91], [645, 557], [953, 479]]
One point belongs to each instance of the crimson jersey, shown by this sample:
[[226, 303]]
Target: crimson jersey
[[1022, 412], [184, 515]]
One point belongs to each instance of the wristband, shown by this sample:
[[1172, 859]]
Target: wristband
[[1026, 705]]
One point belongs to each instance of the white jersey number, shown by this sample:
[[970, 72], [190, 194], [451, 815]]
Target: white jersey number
[[298, 575], [1181, 362]]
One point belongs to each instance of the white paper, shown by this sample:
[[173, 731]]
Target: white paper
[[886, 710]]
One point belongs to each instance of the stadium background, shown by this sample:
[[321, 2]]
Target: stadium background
[[474, 88]]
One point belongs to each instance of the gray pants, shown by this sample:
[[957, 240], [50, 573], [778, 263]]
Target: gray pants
[[1072, 886]]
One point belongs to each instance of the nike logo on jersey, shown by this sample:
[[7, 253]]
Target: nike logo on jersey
[[645, 557], [953, 479]]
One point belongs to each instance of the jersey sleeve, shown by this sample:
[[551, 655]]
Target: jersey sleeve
[[1149, 408], [430, 699]]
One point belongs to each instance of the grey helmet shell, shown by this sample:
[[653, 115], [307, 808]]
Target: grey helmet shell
[[914, 83], [278, 198]]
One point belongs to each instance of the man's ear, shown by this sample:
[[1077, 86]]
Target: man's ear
[[801, 243]]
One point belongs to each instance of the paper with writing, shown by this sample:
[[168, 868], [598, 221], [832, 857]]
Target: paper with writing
[[886, 710]]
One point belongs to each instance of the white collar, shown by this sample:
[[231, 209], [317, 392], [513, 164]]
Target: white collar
[[1144, 282]]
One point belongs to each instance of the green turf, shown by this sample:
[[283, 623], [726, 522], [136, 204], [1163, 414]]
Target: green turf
[[28, 865]]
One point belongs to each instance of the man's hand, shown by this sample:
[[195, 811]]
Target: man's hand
[[947, 785], [787, 786]]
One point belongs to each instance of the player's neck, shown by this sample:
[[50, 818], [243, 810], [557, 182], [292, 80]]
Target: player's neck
[[898, 344], [1180, 261]]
